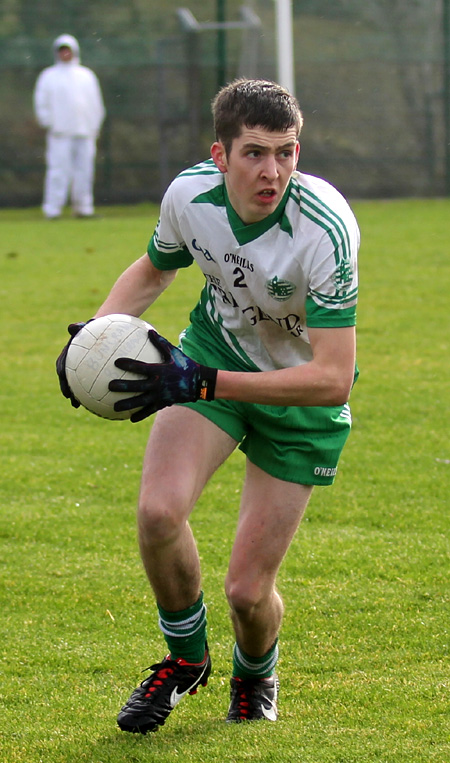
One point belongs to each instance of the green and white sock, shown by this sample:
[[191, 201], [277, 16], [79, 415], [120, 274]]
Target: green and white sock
[[185, 631], [245, 666]]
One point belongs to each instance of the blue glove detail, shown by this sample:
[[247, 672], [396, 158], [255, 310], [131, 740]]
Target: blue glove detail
[[177, 379]]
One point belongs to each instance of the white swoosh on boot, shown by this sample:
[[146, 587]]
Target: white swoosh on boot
[[271, 713]]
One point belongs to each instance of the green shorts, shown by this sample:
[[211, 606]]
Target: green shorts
[[295, 444]]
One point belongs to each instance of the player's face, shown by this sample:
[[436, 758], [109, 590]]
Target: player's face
[[257, 169]]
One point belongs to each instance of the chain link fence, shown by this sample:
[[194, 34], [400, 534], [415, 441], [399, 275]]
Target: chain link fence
[[372, 80]]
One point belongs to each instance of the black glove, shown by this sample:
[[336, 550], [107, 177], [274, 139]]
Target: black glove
[[73, 329], [177, 379]]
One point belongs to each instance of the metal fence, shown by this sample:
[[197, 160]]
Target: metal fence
[[373, 85]]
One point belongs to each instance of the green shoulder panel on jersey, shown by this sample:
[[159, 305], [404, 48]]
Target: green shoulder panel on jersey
[[168, 256], [203, 168], [215, 196], [325, 217]]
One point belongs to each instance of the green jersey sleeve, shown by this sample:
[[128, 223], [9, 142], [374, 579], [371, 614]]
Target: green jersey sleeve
[[168, 259], [167, 248], [318, 316]]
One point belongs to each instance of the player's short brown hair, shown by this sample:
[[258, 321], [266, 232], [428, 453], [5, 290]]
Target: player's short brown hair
[[254, 103]]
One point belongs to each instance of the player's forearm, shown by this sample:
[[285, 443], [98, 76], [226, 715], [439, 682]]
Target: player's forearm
[[306, 385], [136, 289]]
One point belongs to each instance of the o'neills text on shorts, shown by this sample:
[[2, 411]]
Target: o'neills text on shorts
[[324, 471]]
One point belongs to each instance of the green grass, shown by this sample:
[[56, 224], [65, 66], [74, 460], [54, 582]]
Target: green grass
[[364, 663]]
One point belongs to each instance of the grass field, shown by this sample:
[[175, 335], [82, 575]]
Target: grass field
[[364, 662]]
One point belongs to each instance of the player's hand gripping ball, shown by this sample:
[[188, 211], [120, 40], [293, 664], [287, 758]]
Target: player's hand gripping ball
[[86, 365], [175, 379], [73, 329]]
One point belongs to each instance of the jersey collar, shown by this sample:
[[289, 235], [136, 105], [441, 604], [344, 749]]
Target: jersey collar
[[245, 233]]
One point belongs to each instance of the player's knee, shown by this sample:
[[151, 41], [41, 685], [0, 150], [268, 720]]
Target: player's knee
[[243, 596], [159, 521]]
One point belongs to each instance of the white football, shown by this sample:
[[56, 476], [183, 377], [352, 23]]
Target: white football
[[91, 355]]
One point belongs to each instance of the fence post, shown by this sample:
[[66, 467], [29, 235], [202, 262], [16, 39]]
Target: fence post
[[446, 89], [221, 44]]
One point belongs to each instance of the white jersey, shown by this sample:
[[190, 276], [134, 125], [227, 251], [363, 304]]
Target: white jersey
[[266, 282], [67, 96]]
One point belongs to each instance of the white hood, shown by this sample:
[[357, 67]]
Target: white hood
[[67, 96], [70, 42]]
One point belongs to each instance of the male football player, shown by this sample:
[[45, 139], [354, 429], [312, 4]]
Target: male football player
[[266, 364]]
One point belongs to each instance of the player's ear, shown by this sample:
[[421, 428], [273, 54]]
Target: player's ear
[[219, 156]]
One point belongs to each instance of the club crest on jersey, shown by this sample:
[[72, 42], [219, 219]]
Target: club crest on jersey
[[279, 289], [343, 276]]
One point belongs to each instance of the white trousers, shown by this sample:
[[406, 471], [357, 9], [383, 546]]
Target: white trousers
[[70, 170]]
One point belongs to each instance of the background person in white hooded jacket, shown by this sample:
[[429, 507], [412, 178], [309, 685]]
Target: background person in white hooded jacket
[[68, 103]]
